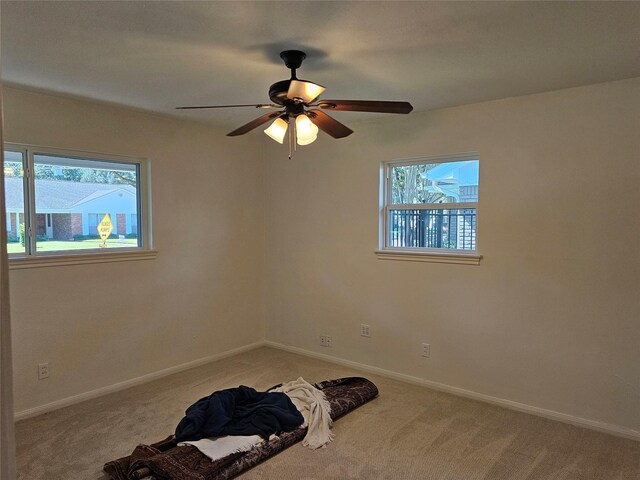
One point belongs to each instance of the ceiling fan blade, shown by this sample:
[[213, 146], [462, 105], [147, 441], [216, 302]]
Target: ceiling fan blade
[[375, 106], [256, 122], [255, 105], [305, 91], [329, 124]]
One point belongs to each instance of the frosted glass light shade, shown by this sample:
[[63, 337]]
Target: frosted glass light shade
[[307, 141], [306, 131], [306, 91], [277, 130]]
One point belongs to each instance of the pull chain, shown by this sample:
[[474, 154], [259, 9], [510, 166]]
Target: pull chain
[[292, 139], [289, 141]]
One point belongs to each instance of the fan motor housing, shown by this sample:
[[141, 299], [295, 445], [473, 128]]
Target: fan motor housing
[[278, 92]]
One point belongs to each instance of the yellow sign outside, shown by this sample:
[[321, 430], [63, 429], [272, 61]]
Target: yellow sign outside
[[104, 229]]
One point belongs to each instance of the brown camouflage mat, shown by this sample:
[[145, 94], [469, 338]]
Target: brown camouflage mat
[[165, 460]]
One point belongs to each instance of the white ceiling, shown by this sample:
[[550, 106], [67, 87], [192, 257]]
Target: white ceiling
[[159, 55]]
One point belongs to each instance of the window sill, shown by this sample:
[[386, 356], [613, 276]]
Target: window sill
[[433, 257], [53, 260]]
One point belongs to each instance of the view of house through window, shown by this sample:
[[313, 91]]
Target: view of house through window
[[431, 205], [72, 203], [14, 197]]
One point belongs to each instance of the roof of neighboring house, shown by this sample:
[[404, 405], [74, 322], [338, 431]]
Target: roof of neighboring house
[[464, 172], [58, 194]]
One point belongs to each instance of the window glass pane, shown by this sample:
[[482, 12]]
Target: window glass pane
[[446, 229], [14, 201], [448, 182], [134, 223], [84, 204]]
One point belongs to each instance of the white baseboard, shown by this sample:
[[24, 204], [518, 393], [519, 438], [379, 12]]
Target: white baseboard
[[65, 402], [616, 430]]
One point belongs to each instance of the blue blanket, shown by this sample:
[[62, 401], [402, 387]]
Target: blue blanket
[[239, 411]]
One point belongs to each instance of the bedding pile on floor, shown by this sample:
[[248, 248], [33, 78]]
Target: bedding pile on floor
[[168, 460], [239, 411]]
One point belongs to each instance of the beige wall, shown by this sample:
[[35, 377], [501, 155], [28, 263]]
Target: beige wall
[[548, 319], [101, 324], [551, 317]]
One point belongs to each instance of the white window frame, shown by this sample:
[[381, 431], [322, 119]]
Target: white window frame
[[420, 254], [31, 258]]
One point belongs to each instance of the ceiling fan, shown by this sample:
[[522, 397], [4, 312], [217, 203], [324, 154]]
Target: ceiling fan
[[298, 105]]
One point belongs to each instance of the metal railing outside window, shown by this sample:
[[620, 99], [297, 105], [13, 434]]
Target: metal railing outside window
[[450, 229]]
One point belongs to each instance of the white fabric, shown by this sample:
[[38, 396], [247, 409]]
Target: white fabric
[[315, 409], [219, 447]]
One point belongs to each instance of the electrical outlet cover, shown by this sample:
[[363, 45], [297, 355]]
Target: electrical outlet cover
[[43, 371]]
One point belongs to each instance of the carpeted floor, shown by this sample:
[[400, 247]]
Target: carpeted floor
[[408, 432]]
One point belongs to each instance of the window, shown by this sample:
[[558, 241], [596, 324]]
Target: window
[[429, 207], [62, 203]]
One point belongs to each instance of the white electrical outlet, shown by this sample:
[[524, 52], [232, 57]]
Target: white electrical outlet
[[365, 330], [426, 350], [43, 370], [325, 341]]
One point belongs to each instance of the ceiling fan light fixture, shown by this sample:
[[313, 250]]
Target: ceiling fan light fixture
[[305, 91], [277, 130], [306, 131]]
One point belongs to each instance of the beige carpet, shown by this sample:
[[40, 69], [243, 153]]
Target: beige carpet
[[408, 432]]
